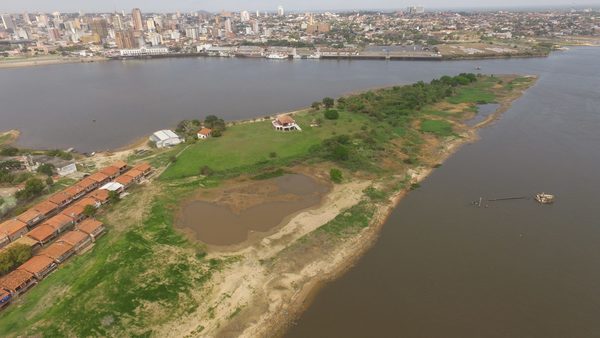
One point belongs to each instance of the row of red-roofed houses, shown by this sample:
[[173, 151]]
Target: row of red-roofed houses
[[14, 229], [47, 259], [55, 221]]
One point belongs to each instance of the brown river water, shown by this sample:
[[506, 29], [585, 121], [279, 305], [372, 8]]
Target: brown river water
[[223, 224]]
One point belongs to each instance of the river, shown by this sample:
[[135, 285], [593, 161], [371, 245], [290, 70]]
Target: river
[[440, 268]]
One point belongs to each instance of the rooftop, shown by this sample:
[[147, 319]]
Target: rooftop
[[36, 264], [45, 207], [56, 250], [15, 279], [12, 226], [90, 225], [42, 233], [73, 237]]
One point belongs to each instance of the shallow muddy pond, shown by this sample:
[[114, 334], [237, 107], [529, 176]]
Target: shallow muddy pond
[[257, 207]]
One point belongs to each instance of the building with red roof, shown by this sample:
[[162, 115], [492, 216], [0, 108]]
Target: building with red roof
[[17, 282], [40, 266], [13, 229], [59, 251], [79, 240], [92, 227]]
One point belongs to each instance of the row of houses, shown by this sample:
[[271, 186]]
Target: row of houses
[[63, 229], [47, 259], [60, 207]]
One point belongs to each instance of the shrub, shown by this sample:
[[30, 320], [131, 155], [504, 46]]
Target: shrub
[[89, 210], [331, 114], [46, 168], [206, 170], [272, 154], [328, 102], [316, 105], [335, 175], [9, 151]]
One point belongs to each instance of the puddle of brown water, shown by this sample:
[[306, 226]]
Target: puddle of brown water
[[218, 224]]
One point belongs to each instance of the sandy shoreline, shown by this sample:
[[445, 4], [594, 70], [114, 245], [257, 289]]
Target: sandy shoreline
[[32, 62]]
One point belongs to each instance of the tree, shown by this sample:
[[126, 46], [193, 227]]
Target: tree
[[316, 105], [328, 102], [89, 210], [14, 256], [49, 181], [33, 187], [47, 169], [331, 114], [335, 175], [113, 197]]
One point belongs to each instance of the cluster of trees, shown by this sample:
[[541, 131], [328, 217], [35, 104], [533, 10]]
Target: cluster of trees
[[403, 101], [60, 154], [215, 123], [33, 188], [13, 257], [9, 151], [188, 127]]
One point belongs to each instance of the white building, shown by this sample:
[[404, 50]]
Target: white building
[[144, 51], [280, 11], [165, 138]]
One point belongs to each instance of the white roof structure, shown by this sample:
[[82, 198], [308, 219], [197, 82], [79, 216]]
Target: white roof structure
[[163, 135], [112, 186], [165, 138]]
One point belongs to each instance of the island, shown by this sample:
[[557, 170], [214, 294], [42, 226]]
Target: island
[[234, 230]]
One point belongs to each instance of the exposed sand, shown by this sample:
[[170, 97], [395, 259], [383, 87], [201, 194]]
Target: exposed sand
[[31, 62]]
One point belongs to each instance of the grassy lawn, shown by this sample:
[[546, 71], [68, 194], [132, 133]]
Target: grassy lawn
[[247, 144]]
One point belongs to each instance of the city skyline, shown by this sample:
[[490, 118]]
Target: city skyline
[[270, 5]]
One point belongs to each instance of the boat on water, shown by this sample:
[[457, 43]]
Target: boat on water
[[544, 198], [275, 56]]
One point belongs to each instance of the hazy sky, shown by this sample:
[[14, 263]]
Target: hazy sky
[[251, 5]]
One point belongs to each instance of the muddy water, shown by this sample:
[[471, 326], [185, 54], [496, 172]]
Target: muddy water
[[221, 224]]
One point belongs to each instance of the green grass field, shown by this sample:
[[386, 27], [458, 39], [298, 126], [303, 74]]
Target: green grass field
[[437, 127], [247, 144], [478, 92]]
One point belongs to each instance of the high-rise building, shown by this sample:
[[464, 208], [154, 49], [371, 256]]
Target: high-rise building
[[26, 18], [150, 24], [8, 22], [244, 16], [100, 27], [280, 11], [255, 27], [125, 39], [192, 33], [416, 10], [228, 27], [117, 22], [136, 17]]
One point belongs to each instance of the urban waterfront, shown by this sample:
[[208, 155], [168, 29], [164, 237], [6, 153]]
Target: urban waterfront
[[443, 268], [105, 105]]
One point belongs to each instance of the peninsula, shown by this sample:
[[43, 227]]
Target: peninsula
[[312, 189]]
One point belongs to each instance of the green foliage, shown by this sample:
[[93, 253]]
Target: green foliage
[[14, 256], [46, 169], [216, 124], [375, 194], [206, 170], [11, 165], [272, 154], [33, 188], [188, 127], [331, 114], [350, 221], [328, 102], [316, 105], [336, 175], [113, 197], [9, 151], [60, 154], [89, 210], [49, 181], [437, 127]]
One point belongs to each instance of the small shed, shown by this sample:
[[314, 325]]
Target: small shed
[[165, 138]]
